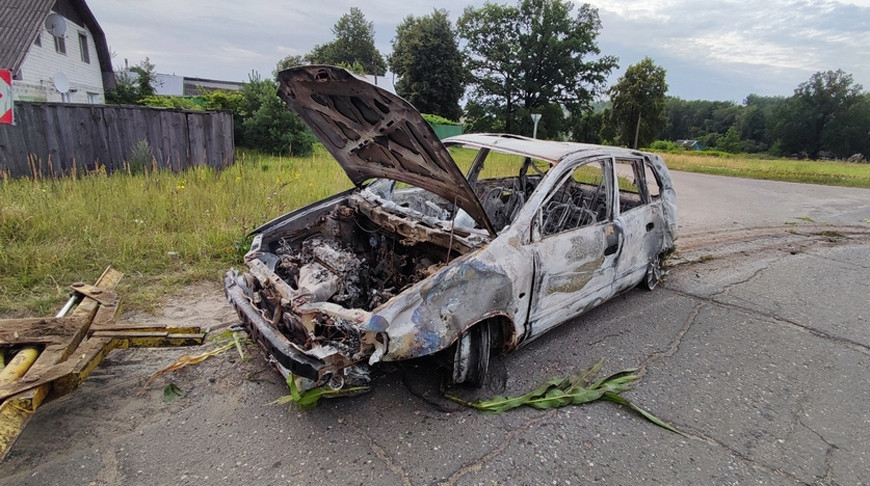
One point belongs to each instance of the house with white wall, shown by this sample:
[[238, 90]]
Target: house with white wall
[[174, 85], [56, 51]]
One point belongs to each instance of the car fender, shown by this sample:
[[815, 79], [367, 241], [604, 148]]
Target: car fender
[[429, 316]]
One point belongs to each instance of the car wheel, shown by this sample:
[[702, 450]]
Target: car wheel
[[653, 273], [471, 355]]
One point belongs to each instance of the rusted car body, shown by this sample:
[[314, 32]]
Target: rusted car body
[[420, 258]]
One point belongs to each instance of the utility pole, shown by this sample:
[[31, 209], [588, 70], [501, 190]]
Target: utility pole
[[637, 131]]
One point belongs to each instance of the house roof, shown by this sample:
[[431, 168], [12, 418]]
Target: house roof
[[21, 20]]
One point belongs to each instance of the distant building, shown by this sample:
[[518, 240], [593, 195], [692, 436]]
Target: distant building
[[173, 85], [689, 144], [56, 51]]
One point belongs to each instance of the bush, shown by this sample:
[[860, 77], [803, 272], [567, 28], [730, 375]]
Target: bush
[[140, 157], [268, 124], [664, 146], [176, 102], [438, 120]]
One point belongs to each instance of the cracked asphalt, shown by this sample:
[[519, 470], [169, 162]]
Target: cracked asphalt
[[756, 347]]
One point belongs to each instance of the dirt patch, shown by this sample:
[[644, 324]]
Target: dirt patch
[[201, 304]]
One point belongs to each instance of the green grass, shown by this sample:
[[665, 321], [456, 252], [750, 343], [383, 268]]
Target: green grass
[[832, 173], [166, 230], [163, 230]]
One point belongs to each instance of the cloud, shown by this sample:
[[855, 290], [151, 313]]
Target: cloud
[[714, 50], [775, 44]]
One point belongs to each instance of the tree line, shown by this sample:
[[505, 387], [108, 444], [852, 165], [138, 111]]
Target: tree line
[[500, 63], [828, 116]]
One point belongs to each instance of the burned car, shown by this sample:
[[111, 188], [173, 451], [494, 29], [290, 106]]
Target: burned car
[[420, 258]]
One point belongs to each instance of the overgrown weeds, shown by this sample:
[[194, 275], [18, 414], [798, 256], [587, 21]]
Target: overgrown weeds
[[162, 229], [165, 230], [827, 172]]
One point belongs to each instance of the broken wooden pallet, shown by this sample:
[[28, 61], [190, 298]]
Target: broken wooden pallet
[[67, 348]]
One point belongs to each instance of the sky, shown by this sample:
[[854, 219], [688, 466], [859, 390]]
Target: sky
[[712, 50]]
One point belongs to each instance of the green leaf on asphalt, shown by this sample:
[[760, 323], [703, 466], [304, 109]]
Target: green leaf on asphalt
[[171, 391], [575, 389], [307, 400]]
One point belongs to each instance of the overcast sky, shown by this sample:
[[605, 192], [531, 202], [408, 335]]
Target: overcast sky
[[713, 50]]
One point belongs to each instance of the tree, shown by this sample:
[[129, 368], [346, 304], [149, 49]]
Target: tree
[[531, 55], [637, 104], [354, 42], [821, 110], [267, 123], [133, 85], [730, 142], [427, 60], [288, 62], [588, 126]]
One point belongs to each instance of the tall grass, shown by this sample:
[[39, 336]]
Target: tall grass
[[161, 229], [833, 173], [165, 230]]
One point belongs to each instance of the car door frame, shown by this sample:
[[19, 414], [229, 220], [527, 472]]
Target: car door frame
[[561, 290], [642, 226]]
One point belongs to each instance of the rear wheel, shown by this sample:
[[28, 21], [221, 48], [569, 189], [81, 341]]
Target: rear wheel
[[471, 355], [653, 273]]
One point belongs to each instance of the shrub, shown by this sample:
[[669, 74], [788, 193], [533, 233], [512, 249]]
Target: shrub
[[664, 146], [438, 120], [268, 124], [140, 157], [176, 102]]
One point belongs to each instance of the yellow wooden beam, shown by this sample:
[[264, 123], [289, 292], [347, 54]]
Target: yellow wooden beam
[[18, 365], [16, 410]]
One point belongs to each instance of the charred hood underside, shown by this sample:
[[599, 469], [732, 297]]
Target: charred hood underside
[[375, 134]]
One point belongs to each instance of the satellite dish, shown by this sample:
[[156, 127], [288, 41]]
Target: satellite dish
[[55, 24], [61, 83]]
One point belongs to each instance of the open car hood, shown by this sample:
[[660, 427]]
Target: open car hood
[[373, 133]]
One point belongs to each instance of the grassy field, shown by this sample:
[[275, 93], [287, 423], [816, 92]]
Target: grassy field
[[832, 173], [165, 230], [161, 229]]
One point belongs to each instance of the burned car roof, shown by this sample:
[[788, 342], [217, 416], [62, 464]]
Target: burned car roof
[[546, 150], [370, 133]]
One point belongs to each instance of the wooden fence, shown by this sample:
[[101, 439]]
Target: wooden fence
[[52, 139]]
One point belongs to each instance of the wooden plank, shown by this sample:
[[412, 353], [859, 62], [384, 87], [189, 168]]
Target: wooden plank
[[63, 132], [227, 135], [99, 138], [16, 410], [86, 139], [17, 332], [33, 136], [196, 137], [85, 311], [154, 135], [113, 133], [178, 136], [8, 149]]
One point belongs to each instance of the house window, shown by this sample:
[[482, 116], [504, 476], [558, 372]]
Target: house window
[[83, 46], [60, 45], [93, 98], [38, 41]]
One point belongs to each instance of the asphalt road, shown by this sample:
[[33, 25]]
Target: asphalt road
[[756, 347]]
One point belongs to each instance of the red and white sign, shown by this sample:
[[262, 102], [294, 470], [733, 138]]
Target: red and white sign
[[5, 97]]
